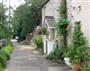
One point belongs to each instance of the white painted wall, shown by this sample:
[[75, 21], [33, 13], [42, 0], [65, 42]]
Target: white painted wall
[[51, 9], [75, 14], [85, 18], [81, 14]]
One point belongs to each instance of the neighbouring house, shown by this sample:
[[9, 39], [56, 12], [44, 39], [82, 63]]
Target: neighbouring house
[[78, 11]]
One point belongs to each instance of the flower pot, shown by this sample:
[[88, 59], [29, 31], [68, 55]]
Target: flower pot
[[76, 67]]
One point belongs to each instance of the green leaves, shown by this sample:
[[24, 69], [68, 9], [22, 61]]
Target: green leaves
[[38, 41], [63, 22], [56, 54], [5, 32], [62, 26], [5, 55], [25, 19], [79, 50]]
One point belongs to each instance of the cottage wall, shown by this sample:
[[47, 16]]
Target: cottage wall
[[79, 11], [51, 9]]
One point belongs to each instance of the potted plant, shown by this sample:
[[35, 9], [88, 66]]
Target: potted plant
[[78, 52]]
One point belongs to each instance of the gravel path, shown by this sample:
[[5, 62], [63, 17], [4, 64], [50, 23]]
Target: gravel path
[[26, 58]]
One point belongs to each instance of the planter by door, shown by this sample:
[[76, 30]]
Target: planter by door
[[75, 67]]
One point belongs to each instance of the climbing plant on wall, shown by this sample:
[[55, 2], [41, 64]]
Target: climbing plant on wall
[[63, 22]]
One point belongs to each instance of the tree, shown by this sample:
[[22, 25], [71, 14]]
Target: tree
[[2, 13], [36, 3], [26, 18], [4, 30]]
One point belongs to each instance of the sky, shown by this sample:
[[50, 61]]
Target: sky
[[13, 3]]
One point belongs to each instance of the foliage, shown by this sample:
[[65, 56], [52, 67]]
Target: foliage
[[5, 32], [42, 30], [61, 26], [25, 19], [1, 69], [79, 50], [3, 60], [38, 42], [5, 55], [63, 10], [45, 31], [37, 3], [63, 22], [62, 31], [85, 68], [8, 49], [56, 54], [80, 47], [2, 13]]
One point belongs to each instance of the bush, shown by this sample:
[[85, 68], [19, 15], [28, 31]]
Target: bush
[[38, 42], [1, 69], [79, 52], [3, 60], [5, 55], [56, 54], [7, 51]]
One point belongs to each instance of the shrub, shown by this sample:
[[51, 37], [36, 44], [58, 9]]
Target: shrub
[[56, 54], [79, 50], [3, 60], [1, 69], [7, 51], [5, 54], [38, 42]]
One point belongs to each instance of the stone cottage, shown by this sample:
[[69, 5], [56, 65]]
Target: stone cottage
[[78, 11], [50, 16]]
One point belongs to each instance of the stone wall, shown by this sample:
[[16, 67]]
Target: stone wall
[[79, 11], [51, 9]]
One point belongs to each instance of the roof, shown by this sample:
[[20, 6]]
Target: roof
[[45, 2], [50, 21]]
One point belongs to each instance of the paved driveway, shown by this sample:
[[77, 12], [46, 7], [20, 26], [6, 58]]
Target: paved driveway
[[26, 58]]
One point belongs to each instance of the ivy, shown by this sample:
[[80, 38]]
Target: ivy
[[78, 52], [63, 10], [63, 22], [62, 26]]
